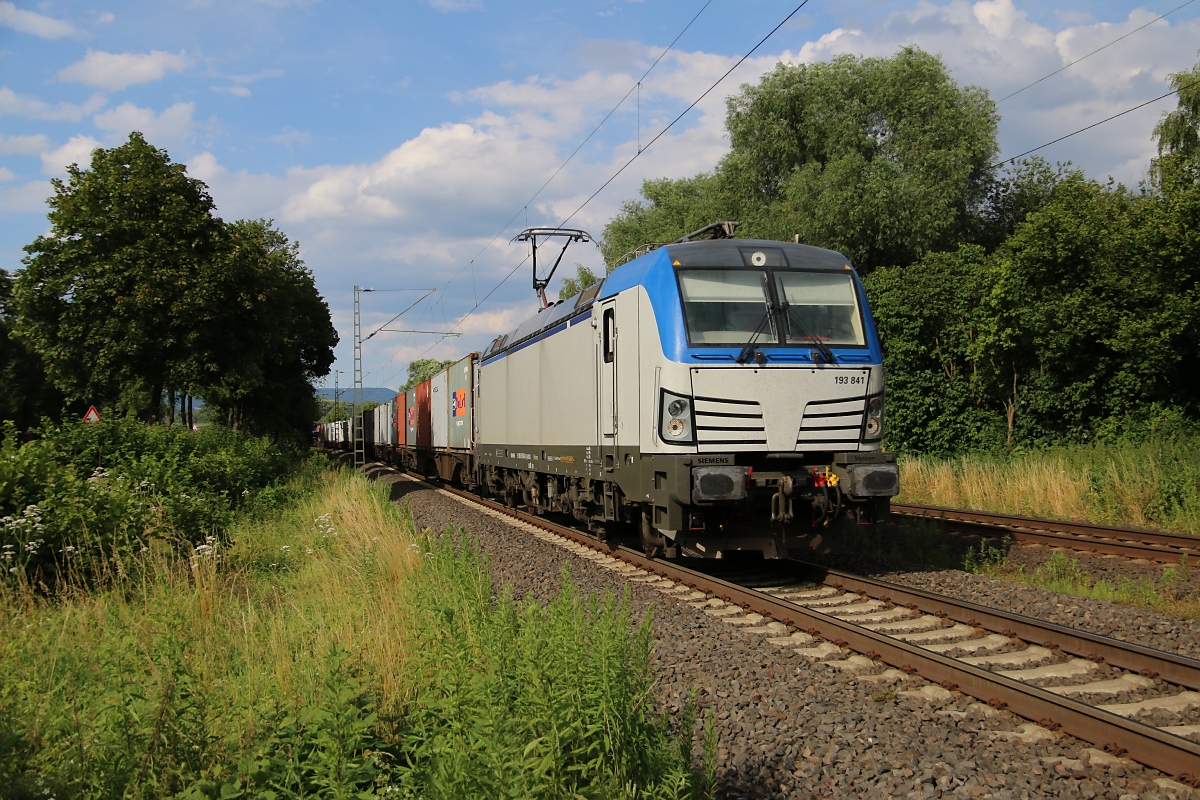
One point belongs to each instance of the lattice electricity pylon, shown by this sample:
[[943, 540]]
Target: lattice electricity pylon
[[360, 445], [532, 234]]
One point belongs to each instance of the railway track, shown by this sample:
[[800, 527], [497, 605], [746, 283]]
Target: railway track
[[1056, 677], [1170, 548]]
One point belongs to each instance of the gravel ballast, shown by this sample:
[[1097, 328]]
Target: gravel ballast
[[791, 727]]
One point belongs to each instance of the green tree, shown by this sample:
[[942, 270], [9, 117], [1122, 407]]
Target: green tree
[[669, 209], [103, 295], [939, 399], [422, 370], [1178, 132], [261, 334], [883, 159], [583, 280], [26, 394]]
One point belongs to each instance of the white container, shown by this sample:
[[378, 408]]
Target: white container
[[439, 410]]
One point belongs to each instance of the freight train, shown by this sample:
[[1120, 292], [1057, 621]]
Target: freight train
[[706, 397]]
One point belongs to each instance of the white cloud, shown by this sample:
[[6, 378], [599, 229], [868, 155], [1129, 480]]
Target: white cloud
[[105, 18], [235, 90], [455, 5], [173, 124], [290, 137], [30, 22], [6, 175], [78, 150], [994, 44], [24, 145], [27, 198], [117, 70], [22, 105]]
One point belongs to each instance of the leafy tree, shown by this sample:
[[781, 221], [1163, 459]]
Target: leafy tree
[[262, 333], [939, 400], [883, 159], [422, 370], [671, 209], [583, 280], [1016, 192], [25, 393], [102, 298], [1178, 133]]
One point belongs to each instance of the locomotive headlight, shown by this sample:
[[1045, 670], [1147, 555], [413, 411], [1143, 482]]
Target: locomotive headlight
[[873, 425], [675, 418]]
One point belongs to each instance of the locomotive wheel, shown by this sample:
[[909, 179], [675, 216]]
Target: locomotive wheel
[[652, 541]]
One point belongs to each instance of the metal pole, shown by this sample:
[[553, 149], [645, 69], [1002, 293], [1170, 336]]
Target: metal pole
[[360, 454]]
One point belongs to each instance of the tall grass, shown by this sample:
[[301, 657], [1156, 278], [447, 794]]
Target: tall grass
[[1154, 483], [325, 651]]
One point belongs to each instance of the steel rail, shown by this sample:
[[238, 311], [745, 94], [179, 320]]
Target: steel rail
[[1163, 751], [1084, 536]]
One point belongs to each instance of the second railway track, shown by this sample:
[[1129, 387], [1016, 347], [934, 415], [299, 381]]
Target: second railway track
[[1056, 677], [1151, 545]]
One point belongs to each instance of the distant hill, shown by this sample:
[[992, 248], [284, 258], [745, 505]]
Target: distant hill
[[376, 394]]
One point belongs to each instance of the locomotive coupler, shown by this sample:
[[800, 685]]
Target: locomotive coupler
[[781, 502]]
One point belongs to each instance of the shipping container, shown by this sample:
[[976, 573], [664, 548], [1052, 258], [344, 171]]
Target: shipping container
[[461, 403], [439, 411], [366, 419], [410, 418], [423, 437], [398, 419]]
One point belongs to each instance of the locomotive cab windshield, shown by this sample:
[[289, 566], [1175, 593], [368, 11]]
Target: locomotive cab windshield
[[779, 306]]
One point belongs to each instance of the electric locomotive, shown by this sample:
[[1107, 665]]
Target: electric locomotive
[[716, 395]]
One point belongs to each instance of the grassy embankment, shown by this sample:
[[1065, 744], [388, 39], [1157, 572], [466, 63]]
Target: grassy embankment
[[1153, 484], [325, 650]]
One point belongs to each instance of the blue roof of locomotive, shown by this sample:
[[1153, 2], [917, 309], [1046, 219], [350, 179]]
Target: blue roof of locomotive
[[655, 273]]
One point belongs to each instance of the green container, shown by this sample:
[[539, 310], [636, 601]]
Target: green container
[[461, 402]]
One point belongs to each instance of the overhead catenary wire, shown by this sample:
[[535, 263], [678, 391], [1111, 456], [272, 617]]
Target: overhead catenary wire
[[636, 155], [1092, 53], [402, 313], [1012, 159], [525, 207]]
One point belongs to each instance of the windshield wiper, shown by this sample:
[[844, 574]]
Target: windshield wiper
[[745, 354], [826, 353]]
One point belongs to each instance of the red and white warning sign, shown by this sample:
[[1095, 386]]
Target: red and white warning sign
[[92, 417]]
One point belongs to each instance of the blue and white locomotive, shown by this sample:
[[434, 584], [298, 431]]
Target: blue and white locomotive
[[715, 395]]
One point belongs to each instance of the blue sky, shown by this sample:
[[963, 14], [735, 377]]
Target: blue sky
[[396, 140]]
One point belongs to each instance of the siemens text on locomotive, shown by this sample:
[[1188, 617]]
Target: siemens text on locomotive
[[713, 396]]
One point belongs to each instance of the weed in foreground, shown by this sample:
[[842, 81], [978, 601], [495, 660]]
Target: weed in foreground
[[327, 651]]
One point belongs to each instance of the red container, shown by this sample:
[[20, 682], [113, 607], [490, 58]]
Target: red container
[[398, 420], [424, 421]]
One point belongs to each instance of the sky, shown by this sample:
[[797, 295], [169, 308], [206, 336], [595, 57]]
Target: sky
[[404, 144]]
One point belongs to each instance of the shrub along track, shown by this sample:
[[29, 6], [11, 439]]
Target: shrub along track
[[899, 631], [1084, 537]]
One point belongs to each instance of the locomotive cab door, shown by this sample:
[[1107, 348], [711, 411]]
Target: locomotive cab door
[[607, 361]]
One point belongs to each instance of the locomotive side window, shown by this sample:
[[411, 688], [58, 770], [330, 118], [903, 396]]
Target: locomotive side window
[[820, 306], [610, 324], [725, 306]]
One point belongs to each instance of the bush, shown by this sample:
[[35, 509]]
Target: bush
[[325, 651], [82, 496]]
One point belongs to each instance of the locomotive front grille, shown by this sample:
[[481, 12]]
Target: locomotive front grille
[[831, 425], [729, 425]]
